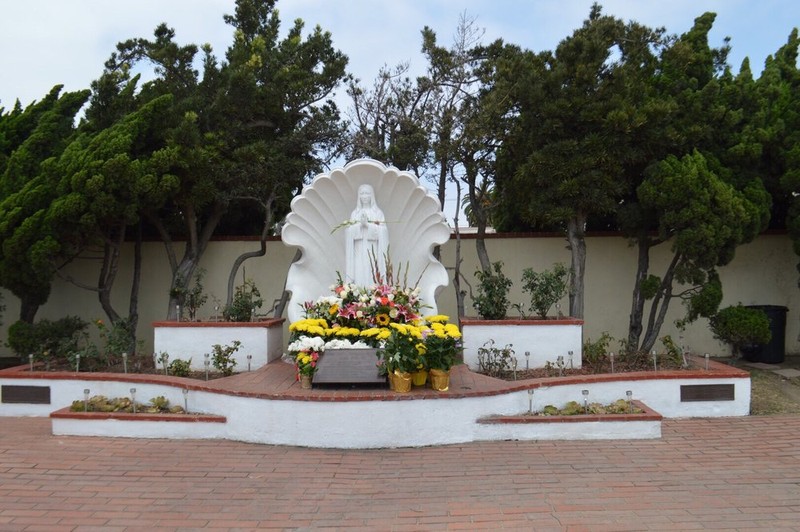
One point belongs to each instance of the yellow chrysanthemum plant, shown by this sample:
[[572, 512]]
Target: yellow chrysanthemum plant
[[442, 342], [429, 343]]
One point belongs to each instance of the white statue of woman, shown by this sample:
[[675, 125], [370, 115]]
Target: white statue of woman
[[366, 237]]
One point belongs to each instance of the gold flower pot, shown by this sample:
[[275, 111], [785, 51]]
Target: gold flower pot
[[402, 382], [305, 382], [419, 378], [440, 380]]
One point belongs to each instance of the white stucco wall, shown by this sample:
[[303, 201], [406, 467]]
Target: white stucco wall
[[763, 272]]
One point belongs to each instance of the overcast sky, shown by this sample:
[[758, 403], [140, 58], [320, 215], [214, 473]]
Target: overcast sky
[[49, 42]]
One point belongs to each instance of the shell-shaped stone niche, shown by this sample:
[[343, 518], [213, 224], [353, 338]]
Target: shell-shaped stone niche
[[413, 217]]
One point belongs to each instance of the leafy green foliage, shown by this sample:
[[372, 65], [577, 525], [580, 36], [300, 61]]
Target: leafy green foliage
[[30, 141], [180, 368], [222, 357], [596, 351], [545, 288], [246, 300], [495, 361], [740, 326], [47, 340], [492, 300]]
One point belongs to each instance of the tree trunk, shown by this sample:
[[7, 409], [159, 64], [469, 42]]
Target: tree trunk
[[105, 282], [658, 310], [637, 303], [576, 236], [195, 247], [27, 310], [251, 254], [133, 306]]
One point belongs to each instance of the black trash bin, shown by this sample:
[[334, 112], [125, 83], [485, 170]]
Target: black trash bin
[[773, 352]]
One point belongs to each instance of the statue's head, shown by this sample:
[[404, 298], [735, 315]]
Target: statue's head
[[366, 196]]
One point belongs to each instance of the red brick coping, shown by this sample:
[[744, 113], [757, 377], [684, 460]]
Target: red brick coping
[[265, 323], [66, 413], [648, 414], [277, 382], [521, 321]]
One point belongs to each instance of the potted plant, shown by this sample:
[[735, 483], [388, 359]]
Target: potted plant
[[442, 342], [306, 351], [743, 328], [400, 355]]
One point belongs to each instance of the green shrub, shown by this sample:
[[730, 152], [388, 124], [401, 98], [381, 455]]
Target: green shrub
[[595, 352], [222, 357], [46, 339], [546, 288], [246, 300], [495, 361], [492, 300], [180, 368], [740, 327]]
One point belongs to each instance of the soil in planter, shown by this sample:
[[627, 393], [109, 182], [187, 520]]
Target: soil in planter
[[142, 365], [627, 364]]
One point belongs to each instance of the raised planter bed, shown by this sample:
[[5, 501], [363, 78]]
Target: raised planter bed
[[121, 424], [190, 340], [545, 340], [643, 425]]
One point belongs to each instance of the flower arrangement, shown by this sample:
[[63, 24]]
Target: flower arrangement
[[306, 355], [367, 306], [358, 313], [382, 316]]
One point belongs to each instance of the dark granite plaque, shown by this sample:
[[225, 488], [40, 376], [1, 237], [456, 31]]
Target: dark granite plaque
[[35, 395], [348, 366], [707, 392]]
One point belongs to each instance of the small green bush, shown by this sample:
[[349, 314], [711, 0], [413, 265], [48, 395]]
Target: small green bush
[[46, 339], [492, 300], [546, 288], [595, 352], [222, 357], [246, 300], [495, 361], [180, 368], [740, 326]]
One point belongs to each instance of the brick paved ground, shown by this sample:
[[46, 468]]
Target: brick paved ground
[[739, 473]]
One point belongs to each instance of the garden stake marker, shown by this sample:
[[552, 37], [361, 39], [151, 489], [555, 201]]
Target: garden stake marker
[[530, 400]]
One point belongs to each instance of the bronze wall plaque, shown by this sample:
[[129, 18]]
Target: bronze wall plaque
[[707, 392], [35, 395]]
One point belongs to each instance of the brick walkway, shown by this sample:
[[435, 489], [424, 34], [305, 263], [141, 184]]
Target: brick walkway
[[741, 473]]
